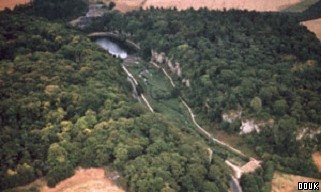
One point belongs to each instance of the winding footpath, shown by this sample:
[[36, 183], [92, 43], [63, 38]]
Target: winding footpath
[[133, 80], [207, 133]]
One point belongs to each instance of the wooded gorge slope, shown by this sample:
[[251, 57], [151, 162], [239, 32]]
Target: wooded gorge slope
[[265, 64], [66, 103]]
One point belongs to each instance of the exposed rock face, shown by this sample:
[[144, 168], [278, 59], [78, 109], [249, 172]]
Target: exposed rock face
[[231, 116], [158, 57], [307, 132], [178, 69], [162, 59], [186, 82], [249, 126]]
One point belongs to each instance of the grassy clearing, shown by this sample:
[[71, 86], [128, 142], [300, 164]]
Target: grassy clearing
[[300, 7], [158, 91], [235, 140]]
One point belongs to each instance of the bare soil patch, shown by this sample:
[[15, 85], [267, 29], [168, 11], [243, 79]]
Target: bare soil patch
[[85, 180], [282, 182], [314, 26], [316, 157], [11, 3], [257, 5]]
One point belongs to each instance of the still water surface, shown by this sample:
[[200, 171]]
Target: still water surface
[[112, 47]]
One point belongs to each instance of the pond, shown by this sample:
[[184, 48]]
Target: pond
[[112, 47]]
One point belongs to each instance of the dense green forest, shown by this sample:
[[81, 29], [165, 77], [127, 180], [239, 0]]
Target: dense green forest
[[59, 9], [265, 64], [66, 103]]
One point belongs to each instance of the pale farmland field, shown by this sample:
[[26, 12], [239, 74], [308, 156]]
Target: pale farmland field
[[129, 5], [314, 26], [84, 180], [257, 5], [11, 3]]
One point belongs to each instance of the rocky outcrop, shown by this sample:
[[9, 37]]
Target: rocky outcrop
[[231, 116], [174, 68], [186, 82], [308, 132], [248, 125]]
